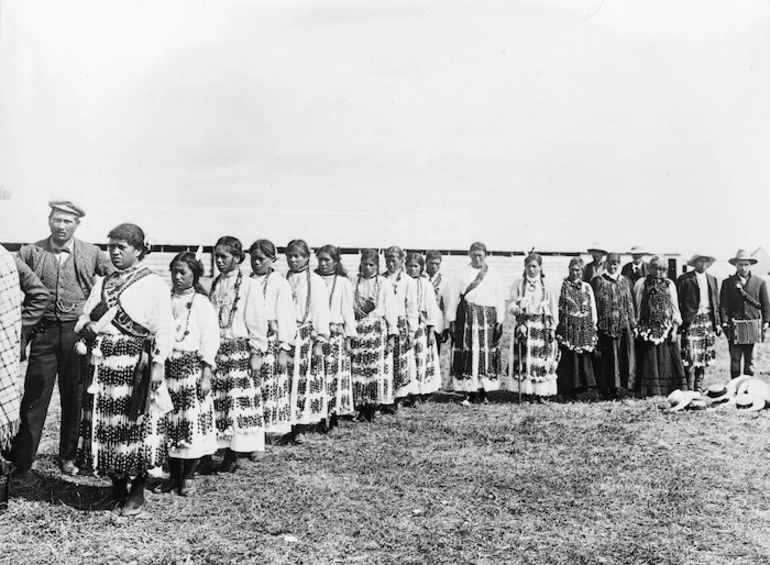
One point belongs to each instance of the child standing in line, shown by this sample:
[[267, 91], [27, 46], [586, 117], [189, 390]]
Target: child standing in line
[[243, 334], [342, 331], [279, 309], [311, 312], [426, 357], [190, 429], [376, 331]]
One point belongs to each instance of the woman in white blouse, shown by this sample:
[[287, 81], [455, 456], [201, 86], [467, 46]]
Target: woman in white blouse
[[342, 329], [428, 372], [243, 341], [535, 308], [306, 366], [190, 431], [401, 361], [128, 326], [376, 331], [282, 327]]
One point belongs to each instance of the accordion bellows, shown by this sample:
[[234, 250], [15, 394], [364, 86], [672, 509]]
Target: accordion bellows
[[747, 331]]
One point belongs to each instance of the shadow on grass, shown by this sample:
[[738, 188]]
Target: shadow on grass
[[78, 492]]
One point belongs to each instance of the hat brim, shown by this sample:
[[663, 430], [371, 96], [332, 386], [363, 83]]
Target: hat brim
[[757, 403], [685, 401], [638, 252], [734, 260], [595, 250], [718, 400], [711, 260]]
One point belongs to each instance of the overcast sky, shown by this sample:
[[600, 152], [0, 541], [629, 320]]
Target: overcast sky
[[550, 123]]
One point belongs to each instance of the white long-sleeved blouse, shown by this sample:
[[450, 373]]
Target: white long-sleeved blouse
[[380, 292], [249, 319], [316, 310], [426, 303], [405, 290], [146, 301], [340, 291], [534, 297], [279, 308], [197, 328], [489, 293]]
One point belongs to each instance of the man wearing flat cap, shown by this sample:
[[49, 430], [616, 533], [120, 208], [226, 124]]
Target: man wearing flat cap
[[745, 312], [68, 267], [701, 321]]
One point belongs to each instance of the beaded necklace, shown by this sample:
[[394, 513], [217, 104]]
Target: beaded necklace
[[655, 312], [398, 280], [576, 324], [189, 306], [613, 304], [220, 307], [295, 291], [264, 283]]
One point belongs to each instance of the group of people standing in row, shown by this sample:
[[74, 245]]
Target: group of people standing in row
[[149, 375], [605, 327]]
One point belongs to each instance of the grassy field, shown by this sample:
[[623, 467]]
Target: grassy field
[[590, 482]]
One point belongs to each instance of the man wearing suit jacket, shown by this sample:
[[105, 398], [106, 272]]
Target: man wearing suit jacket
[[596, 267], [743, 297], [701, 322], [68, 268], [636, 269]]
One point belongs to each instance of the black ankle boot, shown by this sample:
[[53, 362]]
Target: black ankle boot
[[175, 475], [186, 481], [229, 462], [135, 502], [117, 495]]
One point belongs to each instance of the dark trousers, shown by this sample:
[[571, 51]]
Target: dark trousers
[[51, 354], [695, 376], [736, 352]]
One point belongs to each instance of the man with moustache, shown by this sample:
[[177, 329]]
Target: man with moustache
[[68, 268]]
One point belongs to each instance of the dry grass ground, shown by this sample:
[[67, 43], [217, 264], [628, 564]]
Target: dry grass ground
[[620, 482]]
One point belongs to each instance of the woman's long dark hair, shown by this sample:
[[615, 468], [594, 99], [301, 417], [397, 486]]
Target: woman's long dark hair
[[195, 265], [334, 252]]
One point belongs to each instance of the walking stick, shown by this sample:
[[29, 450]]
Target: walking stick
[[520, 345]]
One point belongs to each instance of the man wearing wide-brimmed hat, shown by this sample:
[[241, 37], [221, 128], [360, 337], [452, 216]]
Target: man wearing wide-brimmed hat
[[745, 312], [637, 268], [596, 267], [68, 267], [701, 322]]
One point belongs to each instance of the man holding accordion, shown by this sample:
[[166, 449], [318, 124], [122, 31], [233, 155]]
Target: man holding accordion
[[745, 310]]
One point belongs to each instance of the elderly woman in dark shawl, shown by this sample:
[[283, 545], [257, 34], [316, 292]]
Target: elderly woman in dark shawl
[[576, 333], [614, 360], [660, 369]]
